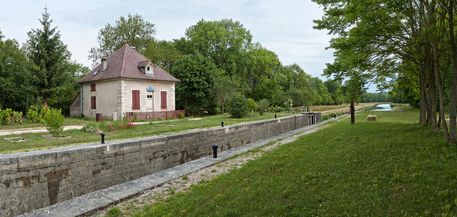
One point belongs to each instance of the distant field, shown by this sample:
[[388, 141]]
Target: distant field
[[390, 167]]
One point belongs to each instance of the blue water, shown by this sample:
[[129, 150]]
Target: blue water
[[383, 108]]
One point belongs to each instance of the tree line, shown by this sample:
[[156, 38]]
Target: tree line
[[216, 61], [409, 46]]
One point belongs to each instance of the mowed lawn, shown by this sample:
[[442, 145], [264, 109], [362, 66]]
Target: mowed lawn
[[391, 167]]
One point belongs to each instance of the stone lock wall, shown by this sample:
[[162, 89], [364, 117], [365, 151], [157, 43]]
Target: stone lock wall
[[38, 179]]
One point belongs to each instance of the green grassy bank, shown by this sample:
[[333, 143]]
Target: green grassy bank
[[390, 167]]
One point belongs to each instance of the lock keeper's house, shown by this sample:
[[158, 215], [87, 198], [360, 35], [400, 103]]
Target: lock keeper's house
[[126, 85]]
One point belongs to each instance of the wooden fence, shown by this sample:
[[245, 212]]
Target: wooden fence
[[151, 116]]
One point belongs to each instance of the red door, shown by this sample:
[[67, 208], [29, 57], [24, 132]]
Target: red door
[[135, 99], [163, 97]]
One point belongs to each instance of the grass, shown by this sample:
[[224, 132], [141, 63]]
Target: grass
[[43, 140], [391, 167]]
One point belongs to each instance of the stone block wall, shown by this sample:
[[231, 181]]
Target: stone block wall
[[38, 179]]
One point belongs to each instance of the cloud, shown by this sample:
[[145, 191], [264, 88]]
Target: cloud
[[285, 27]]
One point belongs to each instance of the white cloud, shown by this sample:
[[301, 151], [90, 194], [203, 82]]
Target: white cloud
[[285, 27]]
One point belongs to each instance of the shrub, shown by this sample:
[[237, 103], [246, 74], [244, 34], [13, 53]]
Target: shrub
[[277, 109], [34, 114], [89, 128], [238, 106], [16, 117], [6, 116], [288, 105], [252, 105], [54, 121], [181, 115], [262, 106]]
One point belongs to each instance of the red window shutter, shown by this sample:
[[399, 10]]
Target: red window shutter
[[92, 88], [163, 97], [135, 99], [93, 102]]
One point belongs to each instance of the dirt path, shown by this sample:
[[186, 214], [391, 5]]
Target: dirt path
[[35, 130]]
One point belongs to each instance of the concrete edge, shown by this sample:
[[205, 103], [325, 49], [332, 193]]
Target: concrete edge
[[102, 198]]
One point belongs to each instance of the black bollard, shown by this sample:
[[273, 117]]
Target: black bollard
[[276, 116], [222, 124], [102, 135], [214, 147]]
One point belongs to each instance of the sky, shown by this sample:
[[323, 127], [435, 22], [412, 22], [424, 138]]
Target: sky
[[283, 26]]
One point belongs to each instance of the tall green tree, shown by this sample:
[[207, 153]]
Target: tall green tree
[[132, 30], [163, 53], [222, 42], [49, 58], [196, 74], [15, 83]]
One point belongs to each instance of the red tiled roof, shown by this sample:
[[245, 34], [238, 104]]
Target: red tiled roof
[[126, 63]]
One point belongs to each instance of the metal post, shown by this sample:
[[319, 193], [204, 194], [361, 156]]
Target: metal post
[[214, 147], [222, 124], [276, 116], [102, 135]]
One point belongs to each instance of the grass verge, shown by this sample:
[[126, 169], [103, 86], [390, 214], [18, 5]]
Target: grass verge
[[390, 167]]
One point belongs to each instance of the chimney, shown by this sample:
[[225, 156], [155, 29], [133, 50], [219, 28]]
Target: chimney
[[104, 63]]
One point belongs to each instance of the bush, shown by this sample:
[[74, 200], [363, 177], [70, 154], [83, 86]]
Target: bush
[[34, 114], [238, 106], [276, 109], [252, 105], [54, 121], [181, 115], [6, 116], [10, 117], [16, 117], [262, 106]]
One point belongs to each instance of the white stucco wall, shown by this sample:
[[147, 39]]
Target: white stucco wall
[[107, 98], [115, 97], [148, 105]]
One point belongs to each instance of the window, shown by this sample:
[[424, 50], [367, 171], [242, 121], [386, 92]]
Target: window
[[92, 88], [149, 70], [135, 99], [163, 97], [93, 102]]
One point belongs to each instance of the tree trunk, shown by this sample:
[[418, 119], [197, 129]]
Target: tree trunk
[[439, 88], [422, 100], [352, 111], [453, 100]]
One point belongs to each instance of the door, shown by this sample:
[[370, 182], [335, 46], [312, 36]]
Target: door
[[135, 99], [163, 100]]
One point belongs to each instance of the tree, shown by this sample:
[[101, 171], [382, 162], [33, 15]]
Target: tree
[[133, 30], [334, 89], [69, 89], [222, 42], [196, 75], [14, 77], [49, 57], [223, 89], [163, 53]]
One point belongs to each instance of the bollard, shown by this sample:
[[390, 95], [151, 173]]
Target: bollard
[[214, 147], [222, 124], [276, 116], [102, 135]]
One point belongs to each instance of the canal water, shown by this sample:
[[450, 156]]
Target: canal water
[[383, 108]]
